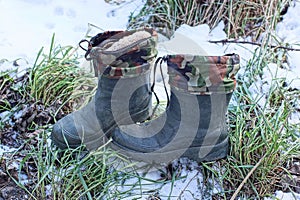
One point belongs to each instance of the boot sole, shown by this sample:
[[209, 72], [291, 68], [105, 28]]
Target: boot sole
[[215, 152]]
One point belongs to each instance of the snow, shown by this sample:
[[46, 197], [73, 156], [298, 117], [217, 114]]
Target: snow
[[4, 116], [5, 149], [288, 30], [285, 196], [27, 25], [186, 186]]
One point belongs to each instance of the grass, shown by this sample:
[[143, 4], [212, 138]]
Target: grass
[[241, 18], [71, 174], [53, 173], [258, 133], [58, 76]]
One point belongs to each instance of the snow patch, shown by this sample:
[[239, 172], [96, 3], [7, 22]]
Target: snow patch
[[6, 149], [285, 196], [32, 22]]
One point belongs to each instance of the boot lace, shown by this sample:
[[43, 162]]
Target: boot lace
[[159, 61]]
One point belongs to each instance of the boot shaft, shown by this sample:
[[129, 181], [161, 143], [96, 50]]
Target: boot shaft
[[208, 79], [123, 101], [123, 63]]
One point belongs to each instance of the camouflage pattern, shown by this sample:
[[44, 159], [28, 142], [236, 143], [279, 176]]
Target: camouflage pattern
[[128, 61], [203, 74]]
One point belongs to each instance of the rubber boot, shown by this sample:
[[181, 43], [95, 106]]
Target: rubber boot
[[122, 61], [194, 123]]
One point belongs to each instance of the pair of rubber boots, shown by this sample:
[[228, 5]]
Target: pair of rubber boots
[[194, 123]]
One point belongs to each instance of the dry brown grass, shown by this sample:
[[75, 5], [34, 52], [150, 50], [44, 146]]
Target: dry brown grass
[[241, 18]]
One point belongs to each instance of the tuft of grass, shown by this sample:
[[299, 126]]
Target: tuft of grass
[[241, 18], [5, 81], [69, 174], [58, 76], [259, 134]]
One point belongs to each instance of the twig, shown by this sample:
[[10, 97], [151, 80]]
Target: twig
[[247, 177], [182, 191], [253, 43]]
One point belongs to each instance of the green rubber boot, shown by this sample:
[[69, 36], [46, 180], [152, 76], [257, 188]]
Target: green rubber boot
[[194, 124], [122, 61]]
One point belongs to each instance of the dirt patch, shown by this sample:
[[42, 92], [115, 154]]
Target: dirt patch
[[21, 115], [9, 190], [22, 121]]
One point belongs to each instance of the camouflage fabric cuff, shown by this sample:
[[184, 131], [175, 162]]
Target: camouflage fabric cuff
[[203, 74], [126, 53], [121, 72]]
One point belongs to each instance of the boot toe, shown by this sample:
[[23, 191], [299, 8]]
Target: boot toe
[[64, 133]]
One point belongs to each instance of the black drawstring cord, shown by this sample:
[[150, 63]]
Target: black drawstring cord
[[163, 79], [153, 84], [88, 50], [159, 60]]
